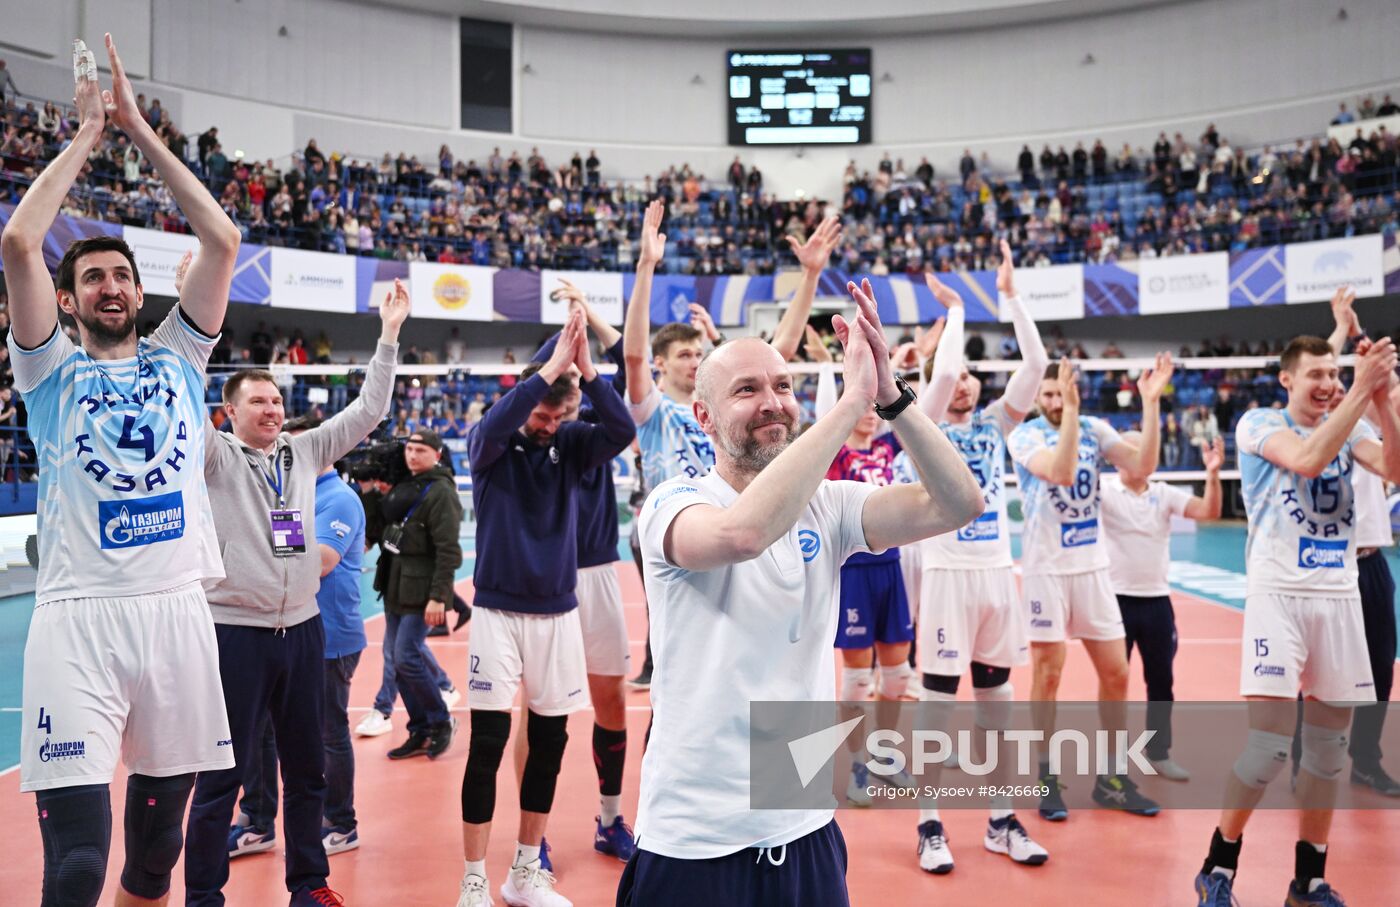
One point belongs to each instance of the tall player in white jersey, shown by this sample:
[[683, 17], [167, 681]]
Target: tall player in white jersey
[[120, 662], [672, 443], [1303, 626], [1065, 568], [969, 608]]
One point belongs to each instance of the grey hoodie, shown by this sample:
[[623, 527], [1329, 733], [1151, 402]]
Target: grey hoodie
[[260, 589]]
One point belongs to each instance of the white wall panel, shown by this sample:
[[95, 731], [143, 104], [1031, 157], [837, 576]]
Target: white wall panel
[[348, 58]]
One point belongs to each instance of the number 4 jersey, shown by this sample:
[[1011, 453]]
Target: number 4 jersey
[[1301, 530], [123, 509], [1062, 521]]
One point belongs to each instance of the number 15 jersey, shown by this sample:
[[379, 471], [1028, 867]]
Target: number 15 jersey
[[1062, 521], [123, 508]]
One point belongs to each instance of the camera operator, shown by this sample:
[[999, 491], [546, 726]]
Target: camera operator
[[420, 552]]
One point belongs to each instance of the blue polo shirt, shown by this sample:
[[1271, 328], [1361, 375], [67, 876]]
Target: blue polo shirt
[[340, 524]]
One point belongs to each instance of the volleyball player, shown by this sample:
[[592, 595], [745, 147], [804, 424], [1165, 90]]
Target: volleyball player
[[743, 569], [1303, 625], [971, 616], [1137, 520], [1065, 568], [120, 660], [527, 465]]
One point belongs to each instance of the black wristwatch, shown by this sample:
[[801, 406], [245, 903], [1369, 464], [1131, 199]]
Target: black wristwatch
[[906, 396]]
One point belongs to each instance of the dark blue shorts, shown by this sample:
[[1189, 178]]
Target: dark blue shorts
[[808, 872], [874, 607]]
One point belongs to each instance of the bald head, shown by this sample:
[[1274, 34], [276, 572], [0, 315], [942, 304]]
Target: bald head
[[735, 358]]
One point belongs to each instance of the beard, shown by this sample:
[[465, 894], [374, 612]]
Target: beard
[[104, 334], [749, 453]]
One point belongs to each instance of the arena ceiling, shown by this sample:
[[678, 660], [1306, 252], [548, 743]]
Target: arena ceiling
[[774, 18]]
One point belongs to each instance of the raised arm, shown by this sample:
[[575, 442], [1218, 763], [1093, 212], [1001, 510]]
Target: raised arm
[[1383, 457], [636, 326], [813, 255], [704, 537], [1345, 323], [948, 357], [947, 495], [1310, 456], [1019, 397], [1141, 456], [489, 437], [207, 284], [33, 312], [1057, 465], [1209, 507]]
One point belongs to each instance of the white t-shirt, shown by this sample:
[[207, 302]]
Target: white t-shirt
[[1138, 532], [985, 543], [1301, 531], [1062, 522], [123, 508], [1372, 510], [760, 630]]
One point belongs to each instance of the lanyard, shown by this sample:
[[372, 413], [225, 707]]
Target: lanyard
[[275, 483], [421, 494]]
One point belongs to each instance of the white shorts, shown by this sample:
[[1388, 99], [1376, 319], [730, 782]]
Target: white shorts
[[967, 616], [1071, 606], [605, 647], [135, 679], [911, 567], [544, 650], [1296, 642]]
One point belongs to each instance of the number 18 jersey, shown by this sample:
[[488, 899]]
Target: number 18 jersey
[[1062, 521], [123, 508]]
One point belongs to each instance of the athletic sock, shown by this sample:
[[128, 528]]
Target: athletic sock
[[929, 815], [1224, 856], [525, 854], [1309, 865], [609, 757], [998, 817], [611, 808], [476, 868]]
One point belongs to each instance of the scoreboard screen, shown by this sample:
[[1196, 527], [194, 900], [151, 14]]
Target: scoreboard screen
[[786, 97]]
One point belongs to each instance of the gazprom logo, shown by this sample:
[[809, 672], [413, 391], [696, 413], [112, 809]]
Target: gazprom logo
[[1322, 553], [1073, 535], [810, 544], [142, 521], [984, 528]]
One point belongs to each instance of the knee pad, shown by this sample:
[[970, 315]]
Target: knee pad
[[946, 684], [155, 815], [490, 733], [76, 827], [857, 684], [1264, 756], [993, 709], [1324, 751], [987, 677], [894, 680], [548, 736]]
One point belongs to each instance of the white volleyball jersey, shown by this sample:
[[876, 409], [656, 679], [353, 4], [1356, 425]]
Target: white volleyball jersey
[[1302, 532], [1062, 522], [123, 508]]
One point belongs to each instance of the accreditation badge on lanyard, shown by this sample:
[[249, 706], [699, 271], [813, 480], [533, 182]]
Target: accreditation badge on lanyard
[[288, 532]]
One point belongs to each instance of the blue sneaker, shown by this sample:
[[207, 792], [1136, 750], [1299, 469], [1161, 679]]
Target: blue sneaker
[[1214, 890], [1119, 792], [318, 897], [858, 789], [1052, 805], [615, 840], [246, 839], [545, 862], [1323, 897], [338, 840]]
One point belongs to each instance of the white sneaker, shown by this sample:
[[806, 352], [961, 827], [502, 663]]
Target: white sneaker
[[374, 724], [532, 886], [1168, 769], [475, 892], [451, 697], [934, 855], [858, 788], [1012, 840]]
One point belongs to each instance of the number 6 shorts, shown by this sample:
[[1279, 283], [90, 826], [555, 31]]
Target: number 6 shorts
[[135, 679]]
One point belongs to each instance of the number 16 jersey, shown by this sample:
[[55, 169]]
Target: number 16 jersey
[[1062, 521], [123, 509]]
